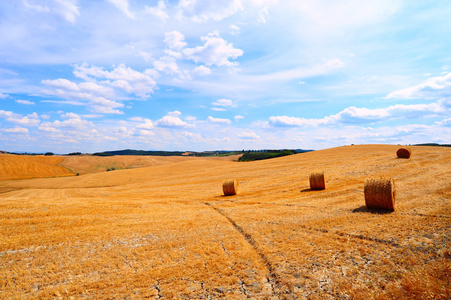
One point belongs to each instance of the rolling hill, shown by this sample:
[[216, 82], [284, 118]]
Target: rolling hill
[[165, 231]]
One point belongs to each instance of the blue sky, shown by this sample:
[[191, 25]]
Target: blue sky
[[79, 75]]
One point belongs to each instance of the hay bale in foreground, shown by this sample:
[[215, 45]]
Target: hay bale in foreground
[[380, 193], [317, 181], [403, 153], [230, 187]]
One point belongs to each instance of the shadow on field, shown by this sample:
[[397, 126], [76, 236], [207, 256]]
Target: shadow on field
[[371, 210]]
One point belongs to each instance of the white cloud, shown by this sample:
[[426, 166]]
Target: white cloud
[[191, 135], [174, 113], [62, 84], [359, 116], [235, 29], [167, 64], [26, 102], [237, 118], [20, 130], [140, 83], [145, 132], [73, 123], [224, 102], [70, 115], [334, 63], [263, 8], [123, 5], [218, 120], [97, 95], [175, 40], [171, 121], [285, 121], [35, 6], [202, 70], [248, 135], [104, 106], [148, 124], [215, 51], [29, 120], [444, 122], [2, 96], [205, 10], [433, 87], [218, 109], [67, 9], [158, 11]]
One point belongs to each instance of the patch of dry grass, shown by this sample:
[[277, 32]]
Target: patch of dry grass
[[167, 231]]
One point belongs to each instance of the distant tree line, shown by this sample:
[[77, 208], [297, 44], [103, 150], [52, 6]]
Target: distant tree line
[[139, 152], [265, 154], [434, 144]]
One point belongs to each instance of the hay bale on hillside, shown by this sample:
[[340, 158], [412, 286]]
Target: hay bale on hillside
[[230, 187], [403, 153], [317, 181], [380, 193]]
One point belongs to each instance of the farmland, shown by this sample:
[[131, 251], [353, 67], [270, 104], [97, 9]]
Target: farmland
[[160, 228]]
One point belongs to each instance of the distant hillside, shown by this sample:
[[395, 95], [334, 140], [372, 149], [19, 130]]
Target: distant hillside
[[250, 154]]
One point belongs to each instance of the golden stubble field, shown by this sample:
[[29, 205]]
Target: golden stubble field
[[166, 231]]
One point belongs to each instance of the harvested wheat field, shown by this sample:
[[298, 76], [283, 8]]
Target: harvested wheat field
[[24, 166], [167, 231]]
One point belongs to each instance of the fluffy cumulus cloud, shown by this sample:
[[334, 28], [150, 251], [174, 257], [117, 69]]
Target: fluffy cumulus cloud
[[172, 120], [147, 124], [175, 40], [101, 86], [167, 64], [72, 126], [29, 120], [141, 84], [205, 10], [202, 71], [215, 51]]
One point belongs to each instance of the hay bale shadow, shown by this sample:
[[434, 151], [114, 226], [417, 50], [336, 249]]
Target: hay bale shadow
[[364, 208], [310, 190]]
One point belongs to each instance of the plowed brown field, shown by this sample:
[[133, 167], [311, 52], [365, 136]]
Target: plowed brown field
[[166, 231]]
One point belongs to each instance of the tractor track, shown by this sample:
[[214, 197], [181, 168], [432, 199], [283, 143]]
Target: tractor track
[[278, 287]]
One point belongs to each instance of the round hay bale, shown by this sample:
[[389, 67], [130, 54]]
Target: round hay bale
[[230, 187], [317, 181], [403, 153], [380, 193]]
